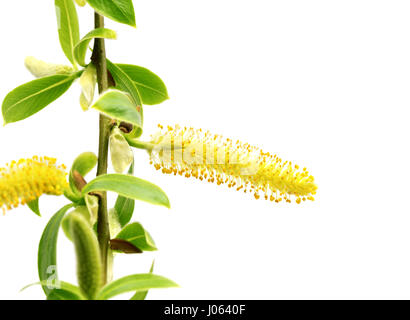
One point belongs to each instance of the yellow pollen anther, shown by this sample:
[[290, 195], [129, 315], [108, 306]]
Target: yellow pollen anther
[[27, 179]]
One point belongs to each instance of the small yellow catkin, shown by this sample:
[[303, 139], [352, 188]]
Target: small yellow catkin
[[199, 154], [25, 180]]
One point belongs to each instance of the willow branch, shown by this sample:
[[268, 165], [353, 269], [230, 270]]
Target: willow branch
[[100, 62]]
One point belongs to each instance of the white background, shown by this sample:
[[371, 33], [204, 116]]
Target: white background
[[321, 83]]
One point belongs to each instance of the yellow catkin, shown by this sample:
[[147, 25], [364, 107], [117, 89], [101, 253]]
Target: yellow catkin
[[27, 179], [199, 154]]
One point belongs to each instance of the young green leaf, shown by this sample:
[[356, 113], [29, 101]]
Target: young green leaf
[[81, 3], [138, 236], [81, 47], [118, 105], [151, 88], [130, 187], [124, 207], [118, 10], [67, 291], [141, 295], [47, 250], [69, 194], [33, 205], [124, 83], [83, 164], [61, 294], [33, 96], [60, 290], [68, 27], [135, 282]]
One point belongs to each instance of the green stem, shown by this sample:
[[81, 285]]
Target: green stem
[[150, 146], [103, 230], [140, 144]]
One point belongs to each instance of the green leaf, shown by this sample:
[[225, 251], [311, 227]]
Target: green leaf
[[33, 205], [138, 236], [125, 206], [135, 282], [73, 197], [81, 3], [61, 294], [81, 47], [61, 290], [67, 291], [68, 27], [130, 187], [151, 88], [124, 83], [83, 164], [118, 10], [118, 105], [141, 295], [31, 97], [47, 250]]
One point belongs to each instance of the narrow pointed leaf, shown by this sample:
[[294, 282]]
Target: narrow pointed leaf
[[124, 83], [130, 187], [141, 295], [81, 3], [62, 294], [33, 205], [83, 164], [118, 105], [124, 207], [136, 282], [33, 96], [118, 10], [62, 291], [138, 236], [151, 88], [67, 291], [68, 27], [81, 47], [47, 250]]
